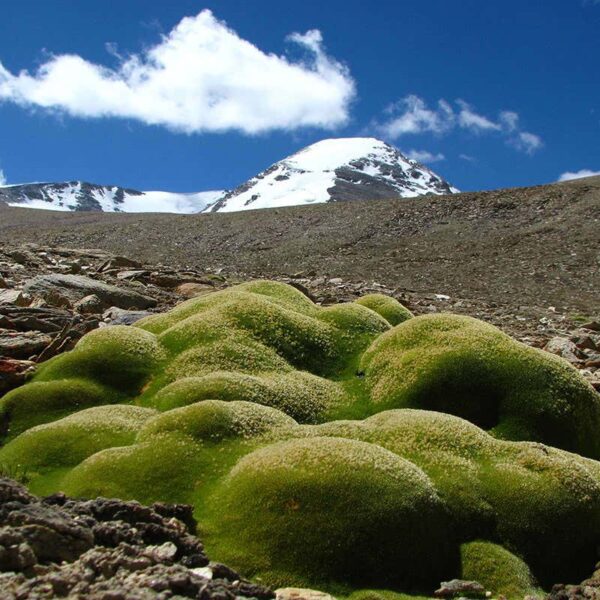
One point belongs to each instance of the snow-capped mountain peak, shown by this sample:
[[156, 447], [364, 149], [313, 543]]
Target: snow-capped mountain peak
[[332, 170], [82, 196], [336, 169]]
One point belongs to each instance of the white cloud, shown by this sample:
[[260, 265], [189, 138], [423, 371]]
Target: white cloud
[[2, 178], [469, 119], [200, 77], [467, 157], [424, 156], [527, 142], [411, 115], [568, 176], [417, 118]]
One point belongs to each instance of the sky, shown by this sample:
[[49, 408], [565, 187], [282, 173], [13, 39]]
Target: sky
[[188, 96]]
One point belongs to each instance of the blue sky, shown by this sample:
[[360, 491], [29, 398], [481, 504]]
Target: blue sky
[[491, 93]]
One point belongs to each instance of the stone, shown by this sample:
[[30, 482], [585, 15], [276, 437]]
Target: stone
[[76, 287], [191, 290], [119, 316], [336, 281], [460, 588], [22, 344], [89, 305], [292, 593], [125, 275], [165, 553], [585, 339], [79, 560], [564, 348], [14, 372], [591, 325], [15, 297], [117, 262], [15, 553]]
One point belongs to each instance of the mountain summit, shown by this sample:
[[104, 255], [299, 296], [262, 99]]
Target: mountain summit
[[333, 170]]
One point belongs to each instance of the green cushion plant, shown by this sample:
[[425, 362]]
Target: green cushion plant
[[353, 448]]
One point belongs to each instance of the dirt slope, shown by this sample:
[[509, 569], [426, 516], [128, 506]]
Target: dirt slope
[[537, 246]]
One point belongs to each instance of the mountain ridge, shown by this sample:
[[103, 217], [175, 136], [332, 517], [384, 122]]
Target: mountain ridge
[[332, 170]]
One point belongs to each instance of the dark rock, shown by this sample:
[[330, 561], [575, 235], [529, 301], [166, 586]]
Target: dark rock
[[15, 553], [75, 287], [24, 344], [109, 555]]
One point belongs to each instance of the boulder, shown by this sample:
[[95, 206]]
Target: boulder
[[13, 373], [22, 344], [564, 348], [76, 287], [89, 305], [15, 297]]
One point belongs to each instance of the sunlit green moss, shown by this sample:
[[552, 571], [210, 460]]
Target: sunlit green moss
[[465, 367], [374, 438], [389, 308]]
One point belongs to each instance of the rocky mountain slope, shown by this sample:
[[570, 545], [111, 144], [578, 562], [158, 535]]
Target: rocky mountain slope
[[79, 196], [335, 170], [328, 171], [529, 247]]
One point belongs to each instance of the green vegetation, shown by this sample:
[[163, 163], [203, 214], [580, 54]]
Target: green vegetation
[[465, 367], [497, 569], [389, 308], [353, 448]]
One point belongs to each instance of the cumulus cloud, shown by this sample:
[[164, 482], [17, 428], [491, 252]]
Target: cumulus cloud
[[569, 175], [412, 115], [416, 117], [200, 77], [424, 156]]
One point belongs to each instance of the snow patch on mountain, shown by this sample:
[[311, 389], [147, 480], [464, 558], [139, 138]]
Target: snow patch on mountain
[[335, 170], [82, 196]]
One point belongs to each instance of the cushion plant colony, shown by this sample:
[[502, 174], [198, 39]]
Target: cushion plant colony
[[352, 448]]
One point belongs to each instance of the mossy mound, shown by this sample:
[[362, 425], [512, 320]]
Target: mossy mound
[[213, 421], [497, 569], [320, 507], [70, 440], [305, 397], [323, 447], [465, 367], [389, 308]]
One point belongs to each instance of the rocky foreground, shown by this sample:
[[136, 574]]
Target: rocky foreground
[[106, 550]]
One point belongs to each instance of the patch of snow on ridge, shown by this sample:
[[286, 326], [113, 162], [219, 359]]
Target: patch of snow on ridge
[[169, 202], [41, 204]]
